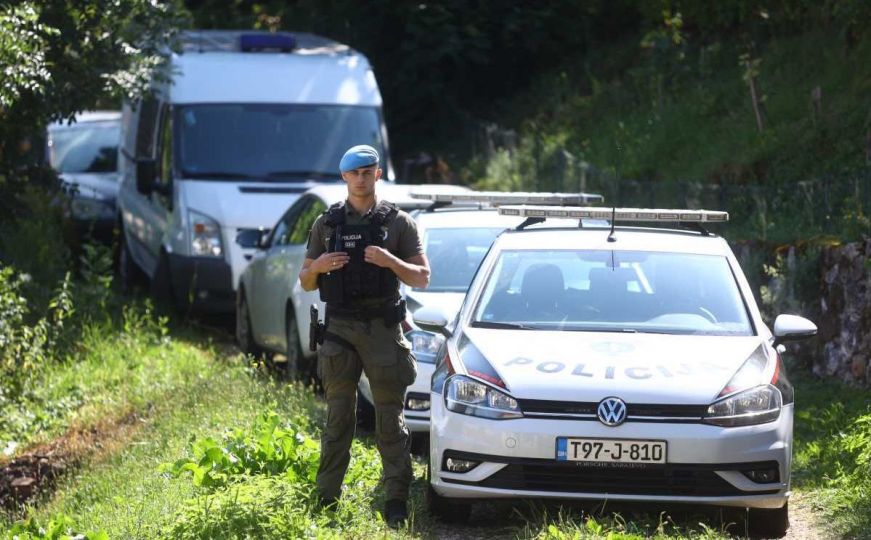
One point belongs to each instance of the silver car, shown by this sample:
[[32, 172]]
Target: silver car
[[620, 363], [85, 155]]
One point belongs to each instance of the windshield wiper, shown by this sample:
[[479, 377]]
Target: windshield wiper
[[302, 174], [502, 325]]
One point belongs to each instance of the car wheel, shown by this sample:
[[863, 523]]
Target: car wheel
[[161, 286], [244, 332], [297, 366], [768, 522], [129, 273], [365, 413], [443, 508]]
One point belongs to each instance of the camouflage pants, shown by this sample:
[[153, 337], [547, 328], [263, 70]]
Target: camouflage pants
[[385, 356]]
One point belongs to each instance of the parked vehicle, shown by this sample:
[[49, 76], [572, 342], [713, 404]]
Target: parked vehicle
[[85, 155], [245, 123], [272, 309], [457, 231], [624, 363]]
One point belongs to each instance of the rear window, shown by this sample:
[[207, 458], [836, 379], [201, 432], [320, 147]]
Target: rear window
[[84, 148]]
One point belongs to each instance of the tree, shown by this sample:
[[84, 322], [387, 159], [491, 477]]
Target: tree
[[58, 58]]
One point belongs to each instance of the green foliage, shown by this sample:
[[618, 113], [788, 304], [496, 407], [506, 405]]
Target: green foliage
[[22, 51], [60, 58], [833, 453], [260, 482], [25, 346], [267, 449], [58, 527]]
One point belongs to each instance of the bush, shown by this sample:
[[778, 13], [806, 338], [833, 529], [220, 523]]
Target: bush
[[261, 483], [267, 449]]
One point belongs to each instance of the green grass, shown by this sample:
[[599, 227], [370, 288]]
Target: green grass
[[200, 395], [832, 457]]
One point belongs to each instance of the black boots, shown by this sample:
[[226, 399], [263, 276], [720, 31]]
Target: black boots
[[395, 512]]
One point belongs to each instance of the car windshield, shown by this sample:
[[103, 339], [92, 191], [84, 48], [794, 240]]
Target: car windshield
[[88, 147], [280, 142], [454, 255], [613, 291]]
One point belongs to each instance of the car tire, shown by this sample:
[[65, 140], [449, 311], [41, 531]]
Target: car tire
[[244, 331], [443, 508], [129, 273], [365, 413], [768, 522], [162, 291], [297, 366]]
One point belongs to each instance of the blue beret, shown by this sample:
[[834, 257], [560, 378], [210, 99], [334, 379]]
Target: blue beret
[[358, 156]]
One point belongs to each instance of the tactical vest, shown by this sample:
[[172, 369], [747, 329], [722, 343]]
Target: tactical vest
[[357, 279]]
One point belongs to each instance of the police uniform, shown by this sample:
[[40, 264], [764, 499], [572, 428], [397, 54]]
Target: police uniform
[[363, 334]]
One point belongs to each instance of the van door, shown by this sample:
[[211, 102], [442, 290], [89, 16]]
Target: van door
[[146, 214]]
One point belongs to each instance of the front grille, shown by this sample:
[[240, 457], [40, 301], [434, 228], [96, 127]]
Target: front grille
[[671, 480], [586, 410]]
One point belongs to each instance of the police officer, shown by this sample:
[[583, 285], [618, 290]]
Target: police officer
[[358, 251]]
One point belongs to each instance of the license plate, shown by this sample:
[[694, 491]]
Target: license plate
[[610, 450]]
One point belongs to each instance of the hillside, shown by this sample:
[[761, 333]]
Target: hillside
[[684, 114]]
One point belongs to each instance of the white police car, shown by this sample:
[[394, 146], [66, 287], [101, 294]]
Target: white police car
[[457, 230], [619, 363]]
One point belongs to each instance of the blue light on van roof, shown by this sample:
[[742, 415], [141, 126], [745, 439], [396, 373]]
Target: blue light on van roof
[[255, 42]]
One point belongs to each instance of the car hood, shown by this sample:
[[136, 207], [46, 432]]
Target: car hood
[[590, 366], [448, 302], [100, 186], [242, 205]]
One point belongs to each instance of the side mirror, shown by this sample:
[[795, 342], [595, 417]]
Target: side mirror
[[432, 319], [146, 172], [251, 238], [792, 328]]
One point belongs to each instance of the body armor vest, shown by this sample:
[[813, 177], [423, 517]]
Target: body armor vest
[[358, 279]]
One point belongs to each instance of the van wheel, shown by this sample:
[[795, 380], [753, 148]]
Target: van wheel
[[244, 332], [297, 365], [768, 522], [161, 285], [443, 508], [129, 273]]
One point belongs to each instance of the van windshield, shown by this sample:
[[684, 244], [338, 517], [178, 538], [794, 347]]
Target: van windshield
[[279, 142]]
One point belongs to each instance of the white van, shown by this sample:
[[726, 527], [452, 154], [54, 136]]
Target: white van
[[245, 123]]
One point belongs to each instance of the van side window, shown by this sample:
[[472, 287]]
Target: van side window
[[146, 127], [299, 233]]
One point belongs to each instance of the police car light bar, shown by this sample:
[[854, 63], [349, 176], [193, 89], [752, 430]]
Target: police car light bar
[[617, 214], [497, 198]]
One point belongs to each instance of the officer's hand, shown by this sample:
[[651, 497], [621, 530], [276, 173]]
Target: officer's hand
[[328, 262], [378, 256]]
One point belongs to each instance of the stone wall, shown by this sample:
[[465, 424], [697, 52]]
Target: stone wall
[[845, 306]]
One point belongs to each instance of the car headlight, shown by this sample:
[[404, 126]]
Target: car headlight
[[425, 345], [88, 209], [754, 406], [205, 235], [467, 396]]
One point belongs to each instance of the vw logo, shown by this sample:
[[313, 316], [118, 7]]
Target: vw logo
[[611, 411]]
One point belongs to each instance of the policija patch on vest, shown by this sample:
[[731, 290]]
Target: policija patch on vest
[[349, 241]]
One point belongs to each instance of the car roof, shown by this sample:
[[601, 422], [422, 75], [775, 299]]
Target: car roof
[[627, 239], [398, 194], [86, 117], [464, 217]]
